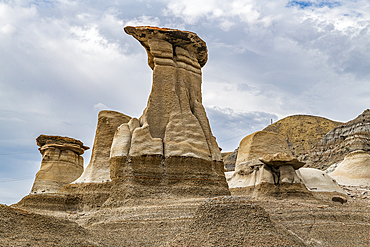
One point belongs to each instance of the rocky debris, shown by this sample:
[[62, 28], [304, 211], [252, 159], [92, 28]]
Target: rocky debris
[[170, 149], [98, 170], [302, 131], [318, 181], [354, 170], [61, 163], [233, 221], [258, 144], [230, 161], [340, 141]]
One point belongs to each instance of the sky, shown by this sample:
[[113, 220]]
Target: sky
[[63, 61]]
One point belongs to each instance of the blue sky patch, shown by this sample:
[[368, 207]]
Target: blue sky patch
[[307, 4]]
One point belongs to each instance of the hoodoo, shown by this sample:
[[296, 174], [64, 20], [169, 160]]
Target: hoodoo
[[170, 149], [61, 163]]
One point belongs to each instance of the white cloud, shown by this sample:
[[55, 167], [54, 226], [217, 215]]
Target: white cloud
[[143, 21]]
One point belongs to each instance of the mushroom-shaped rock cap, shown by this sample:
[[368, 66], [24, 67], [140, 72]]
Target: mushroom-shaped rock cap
[[185, 39], [280, 159], [61, 142]]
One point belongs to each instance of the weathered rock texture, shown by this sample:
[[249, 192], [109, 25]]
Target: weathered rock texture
[[271, 175], [258, 144], [61, 163], [233, 221], [170, 149], [354, 170], [340, 141], [302, 131], [98, 170], [230, 160]]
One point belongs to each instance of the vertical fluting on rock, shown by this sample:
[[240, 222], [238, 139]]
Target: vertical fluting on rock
[[171, 146], [61, 163], [98, 170], [175, 113]]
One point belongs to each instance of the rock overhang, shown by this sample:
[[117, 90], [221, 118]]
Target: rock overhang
[[184, 39]]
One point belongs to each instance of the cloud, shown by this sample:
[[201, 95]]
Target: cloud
[[143, 21]]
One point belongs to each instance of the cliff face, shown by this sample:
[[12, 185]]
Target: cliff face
[[340, 141], [302, 131]]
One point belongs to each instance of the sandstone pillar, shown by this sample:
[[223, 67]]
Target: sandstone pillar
[[61, 163], [170, 148], [98, 170]]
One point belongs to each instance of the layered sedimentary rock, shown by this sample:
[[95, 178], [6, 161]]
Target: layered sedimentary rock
[[354, 170], [302, 131], [258, 144], [170, 149], [233, 221], [61, 163], [340, 141], [266, 174], [230, 160], [98, 170]]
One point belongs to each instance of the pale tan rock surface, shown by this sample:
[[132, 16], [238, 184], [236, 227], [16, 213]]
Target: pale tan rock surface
[[258, 144], [61, 163], [98, 170], [354, 170], [318, 181], [174, 113], [281, 159]]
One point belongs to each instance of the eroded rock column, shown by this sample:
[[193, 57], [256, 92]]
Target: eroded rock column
[[170, 147], [61, 163]]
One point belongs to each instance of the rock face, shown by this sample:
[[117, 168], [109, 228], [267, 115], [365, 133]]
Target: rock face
[[258, 144], [302, 131], [98, 170], [230, 161], [354, 170], [61, 163], [340, 141], [170, 148]]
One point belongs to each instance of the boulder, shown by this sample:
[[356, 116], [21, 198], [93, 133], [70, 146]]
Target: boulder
[[318, 181], [61, 163], [354, 170], [281, 159], [258, 144]]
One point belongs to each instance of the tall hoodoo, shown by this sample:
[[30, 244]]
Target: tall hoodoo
[[171, 143]]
